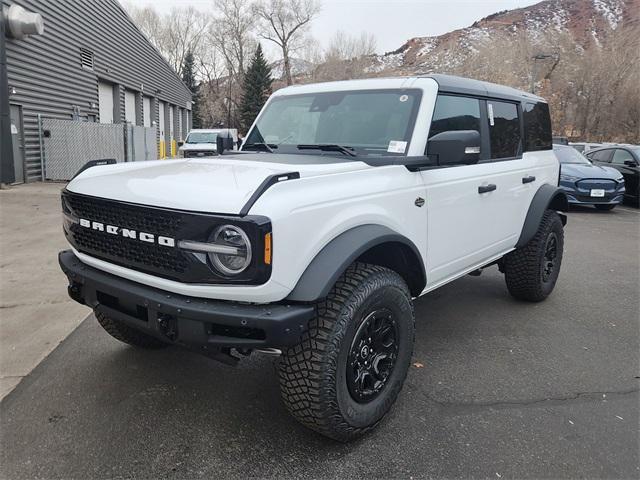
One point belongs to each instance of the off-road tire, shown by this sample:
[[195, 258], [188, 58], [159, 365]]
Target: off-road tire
[[126, 334], [524, 268], [313, 374], [604, 207]]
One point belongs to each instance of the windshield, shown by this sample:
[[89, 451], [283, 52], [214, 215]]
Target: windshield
[[369, 122], [202, 137], [570, 155]]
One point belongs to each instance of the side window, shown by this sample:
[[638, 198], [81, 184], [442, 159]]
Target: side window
[[455, 113], [504, 130], [620, 156], [600, 156], [537, 128]]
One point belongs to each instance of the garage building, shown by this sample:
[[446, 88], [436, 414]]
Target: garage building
[[86, 62]]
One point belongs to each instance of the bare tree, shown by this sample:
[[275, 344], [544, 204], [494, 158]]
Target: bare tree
[[231, 33], [284, 22], [346, 47], [173, 34]]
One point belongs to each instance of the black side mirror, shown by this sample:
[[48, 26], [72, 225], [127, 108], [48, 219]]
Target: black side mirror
[[224, 143], [455, 147], [180, 143], [630, 163]]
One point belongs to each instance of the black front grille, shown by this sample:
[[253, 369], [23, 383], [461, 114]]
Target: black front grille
[[136, 217], [195, 154], [151, 257], [170, 261], [598, 184]]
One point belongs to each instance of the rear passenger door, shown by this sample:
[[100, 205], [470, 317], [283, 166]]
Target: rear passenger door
[[474, 210]]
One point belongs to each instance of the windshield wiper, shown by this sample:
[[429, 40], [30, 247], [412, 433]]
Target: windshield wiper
[[329, 147], [265, 147]]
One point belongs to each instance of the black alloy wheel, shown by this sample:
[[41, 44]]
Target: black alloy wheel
[[372, 355]]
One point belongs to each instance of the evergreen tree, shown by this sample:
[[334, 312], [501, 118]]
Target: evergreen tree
[[257, 88], [189, 79]]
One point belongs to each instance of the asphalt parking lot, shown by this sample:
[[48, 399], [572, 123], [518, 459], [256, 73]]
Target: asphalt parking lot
[[507, 389]]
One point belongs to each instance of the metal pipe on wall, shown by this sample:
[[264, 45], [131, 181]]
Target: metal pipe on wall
[[7, 174]]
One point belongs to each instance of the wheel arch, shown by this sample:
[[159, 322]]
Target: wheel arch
[[375, 244], [548, 197]]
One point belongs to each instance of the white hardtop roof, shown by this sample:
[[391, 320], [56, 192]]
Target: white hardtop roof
[[444, 83]]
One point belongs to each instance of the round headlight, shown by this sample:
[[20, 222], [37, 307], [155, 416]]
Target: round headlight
[[239, 256]]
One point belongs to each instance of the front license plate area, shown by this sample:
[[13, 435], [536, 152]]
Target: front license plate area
[[597, 192]]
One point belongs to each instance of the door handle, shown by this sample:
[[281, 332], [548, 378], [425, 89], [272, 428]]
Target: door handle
[[528, 179], [486, 188]]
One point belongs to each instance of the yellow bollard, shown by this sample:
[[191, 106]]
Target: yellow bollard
[[162, 151]]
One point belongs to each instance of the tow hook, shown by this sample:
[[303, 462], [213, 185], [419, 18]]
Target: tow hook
[[168, 325]]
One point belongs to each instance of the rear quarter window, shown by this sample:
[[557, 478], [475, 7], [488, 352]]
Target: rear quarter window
[[504, 130], [537, 127]]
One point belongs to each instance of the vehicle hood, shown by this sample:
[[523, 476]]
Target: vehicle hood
[[589, 171], [219, 184], [198, 147]]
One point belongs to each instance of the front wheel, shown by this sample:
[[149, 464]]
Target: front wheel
[[531, 272], [349, 367]]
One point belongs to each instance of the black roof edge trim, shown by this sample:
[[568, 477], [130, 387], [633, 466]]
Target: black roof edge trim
[[264, 186], [472, 87], [95, 163]]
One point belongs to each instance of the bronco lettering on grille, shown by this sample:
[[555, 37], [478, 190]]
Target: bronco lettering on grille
[[128, 233]]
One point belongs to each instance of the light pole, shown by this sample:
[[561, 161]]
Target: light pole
[[541, 56]]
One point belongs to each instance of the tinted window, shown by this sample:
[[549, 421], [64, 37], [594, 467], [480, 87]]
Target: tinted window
[[504, 130], [455, 113], [620, 156], [600, 155]]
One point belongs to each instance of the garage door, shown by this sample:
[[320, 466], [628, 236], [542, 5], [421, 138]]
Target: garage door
[[105, 102], [130, 107]]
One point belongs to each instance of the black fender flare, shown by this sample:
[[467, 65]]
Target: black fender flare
[[547, 197], [336, 256]]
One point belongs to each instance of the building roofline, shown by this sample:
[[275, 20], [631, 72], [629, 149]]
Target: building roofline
[[162, 58]]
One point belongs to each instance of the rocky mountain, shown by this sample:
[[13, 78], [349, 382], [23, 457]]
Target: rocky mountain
[[587, 21]]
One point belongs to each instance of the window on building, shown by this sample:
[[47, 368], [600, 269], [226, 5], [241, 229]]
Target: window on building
[[86, 58], [455, 113], [537, 127], [504, 130]]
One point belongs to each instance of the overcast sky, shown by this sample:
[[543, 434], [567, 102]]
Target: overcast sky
[[391, 21]]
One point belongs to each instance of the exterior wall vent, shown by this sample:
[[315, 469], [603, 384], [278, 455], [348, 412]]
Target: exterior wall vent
[[86, 58]]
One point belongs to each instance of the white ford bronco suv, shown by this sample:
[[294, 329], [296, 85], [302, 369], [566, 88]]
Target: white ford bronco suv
[[347, 201]]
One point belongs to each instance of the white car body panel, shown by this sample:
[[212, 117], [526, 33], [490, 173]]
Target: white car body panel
[[331, 198]]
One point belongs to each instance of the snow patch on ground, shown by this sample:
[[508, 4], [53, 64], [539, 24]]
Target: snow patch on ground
[[388, 61], [611, 10]]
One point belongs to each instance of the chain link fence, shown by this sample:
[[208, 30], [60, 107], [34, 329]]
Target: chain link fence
[[69, 144]]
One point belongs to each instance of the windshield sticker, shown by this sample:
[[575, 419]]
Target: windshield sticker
[[396, 146], [404, 98], [490, 109]]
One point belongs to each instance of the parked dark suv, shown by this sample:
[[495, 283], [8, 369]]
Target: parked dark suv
[[624, 158]]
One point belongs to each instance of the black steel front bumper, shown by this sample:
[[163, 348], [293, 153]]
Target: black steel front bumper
[[195, 323]]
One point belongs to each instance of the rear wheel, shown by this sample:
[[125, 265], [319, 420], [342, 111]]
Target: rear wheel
[[349, 367], [531, 272], [124, 333], [604, 207]]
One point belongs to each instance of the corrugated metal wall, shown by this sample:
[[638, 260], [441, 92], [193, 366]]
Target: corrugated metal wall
[[49, 78]]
